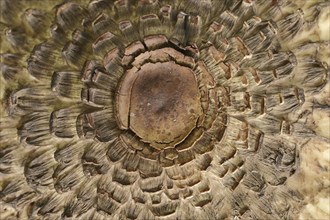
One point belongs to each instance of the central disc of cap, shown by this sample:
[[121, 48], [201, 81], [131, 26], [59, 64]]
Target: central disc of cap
[[164, 103]]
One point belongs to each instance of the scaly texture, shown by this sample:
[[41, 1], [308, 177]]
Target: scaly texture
[[164, 109]]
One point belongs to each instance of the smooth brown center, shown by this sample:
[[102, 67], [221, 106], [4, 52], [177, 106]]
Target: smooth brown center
[[164, 103]]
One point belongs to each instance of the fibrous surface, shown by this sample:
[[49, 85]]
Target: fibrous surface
[[164, 109]]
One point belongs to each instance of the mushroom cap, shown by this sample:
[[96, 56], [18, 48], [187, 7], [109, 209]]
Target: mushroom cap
[[164, 109]]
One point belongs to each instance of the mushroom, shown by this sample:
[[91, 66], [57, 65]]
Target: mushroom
[[164, 109]]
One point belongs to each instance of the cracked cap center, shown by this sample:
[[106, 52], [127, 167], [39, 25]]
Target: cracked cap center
[[164, 103]]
